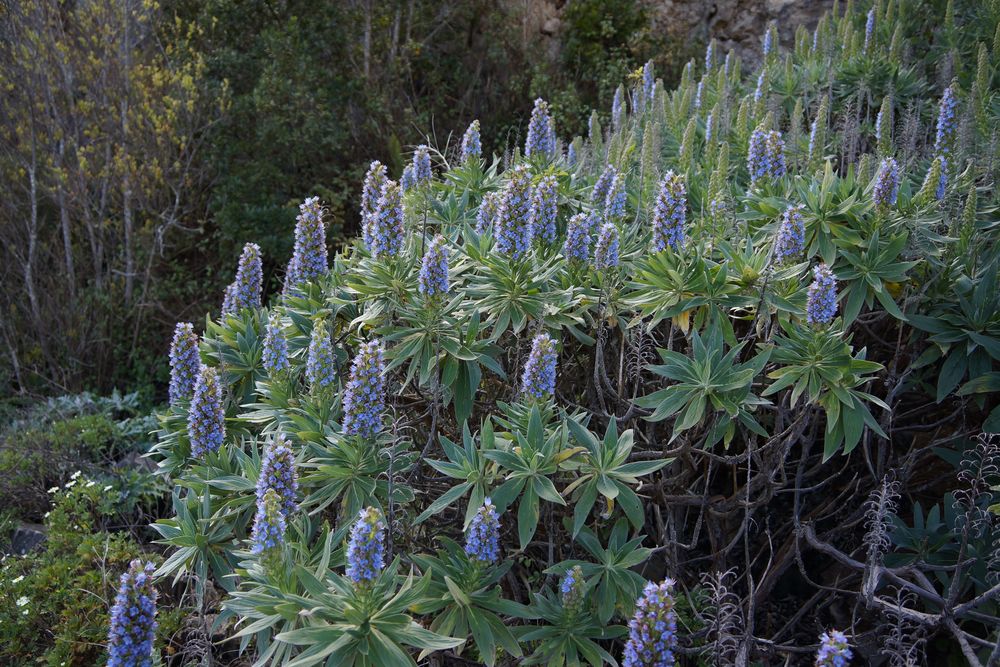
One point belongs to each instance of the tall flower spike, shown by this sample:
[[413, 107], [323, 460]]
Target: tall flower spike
[[487, 211], [697, 95], [472, 147], [539, 377], [371, 190], [366, 547], [277, 473], [540, 140], [618, 108], [776, 153], [387, 225], [309, 260], [513, 222], [422, 165], [946, 121], [821, 303], [320, 364], [606, 250], [433, 279], [364, 397], [869, 29], [761, 83], [544, 202], [834, 650], [229, 300], [765, 155], [249, 279], [482, 539], [648, 81], [206, 417], [269, 523], [572, 590], [184, 362], [652, 632], [602, 185], [408, 179], [577, 247], [275, 354], [669, 214], [133, 618], [571, 154], [710, 56], [791, 238], [935, 182], [769, 35], [614, 203], [886, 186]]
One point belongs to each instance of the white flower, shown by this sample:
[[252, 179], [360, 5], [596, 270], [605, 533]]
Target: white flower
[[54, 489], [23, 600], [75, 475], [107, 488], [18, 579], [70, 483], [90, 484]]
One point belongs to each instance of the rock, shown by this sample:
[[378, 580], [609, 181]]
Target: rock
[[27, 537]]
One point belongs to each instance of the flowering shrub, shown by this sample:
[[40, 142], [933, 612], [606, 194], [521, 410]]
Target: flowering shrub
[[654, 354]]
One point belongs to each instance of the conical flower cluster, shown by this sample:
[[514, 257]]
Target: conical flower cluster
[[320, 363], [618, 108], [387, 223], [371, 190], [275, 354], [422, 165], [606, 251], [577, 246], [544, 207], [614, 202], [206, 417], [652, 635], [248, 286], [309, 260], [599, 195], [277, 488], [669, 214], [366, 547], [821, 304], [572, 590], [947, 121], [886, 187], [539, 378], [433, 279], [482, 539], [765, 156], [184, 362], [472, 148], [513, 221], [133, 618], [790, 240], [364, 397], [269, 524], [487, 211], [541, 132]]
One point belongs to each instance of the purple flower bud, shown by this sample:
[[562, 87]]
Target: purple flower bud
[[669, 214], [572, 590], [821, 304], [472, 148], [364, 396], [133, 618], [422, 165], [433, 279], [249, 279], [487, 211], [618, 108], [309, 261], [541, 133], [206, 416], [320, 363], [614, 203], [544, 202], [269, 524], [513, 222], [387, 230], [366, 547], [482, 540], [577, 247], [886, 187], [184, 362], [275, 354], [652, 636], [791, 238], [539, 378], [606, 250], [370, 192], [946, 121], [833, 650]]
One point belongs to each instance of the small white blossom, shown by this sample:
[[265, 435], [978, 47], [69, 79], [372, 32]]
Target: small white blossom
[[23, 600]]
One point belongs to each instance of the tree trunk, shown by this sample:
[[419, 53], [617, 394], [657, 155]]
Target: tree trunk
[[126, 168], [64, 222]]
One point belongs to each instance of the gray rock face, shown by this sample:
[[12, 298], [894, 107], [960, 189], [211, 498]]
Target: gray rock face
[[27, 537]]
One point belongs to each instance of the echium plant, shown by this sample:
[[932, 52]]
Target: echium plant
[[487, 212], [269, 525], [834, 650], [366, 547], [606, 250], [472, 148], [513, 220], [184, 362], [206, 418], [387, 231], [886, 186], [572, 590], [320, 363], [669, 214], [821, 303], [275, 354], [539, 377], [133, 618], [544, 208], [422, 165], [577, 246], [309, 258], [648, 81], [614, 201], [947, 122], [433, 278], [249, 279], [790, 240], [229, 300], [869, 29], [482, 539], [364, 396], [618, 108], [277, 473], [541, 134], [935, 183], [765, 155], [371, 190], [599, 194], [652, 636]]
